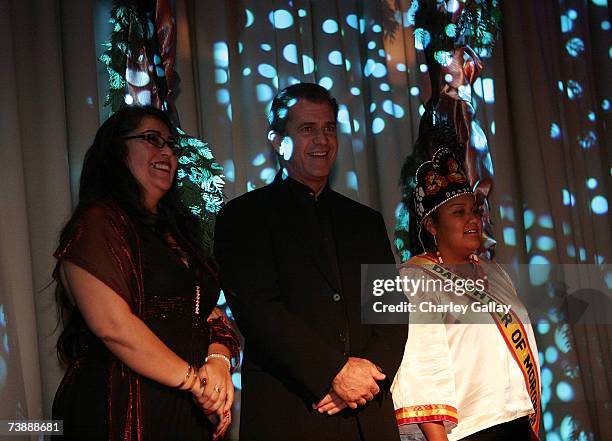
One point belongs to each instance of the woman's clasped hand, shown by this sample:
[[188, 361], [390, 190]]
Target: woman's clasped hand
[[214, 393]]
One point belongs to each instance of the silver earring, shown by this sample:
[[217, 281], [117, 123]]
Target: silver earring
[[421, 240], [438, 255]]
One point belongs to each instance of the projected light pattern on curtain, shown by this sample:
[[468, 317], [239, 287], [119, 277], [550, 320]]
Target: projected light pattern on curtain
[[4, 349], [363, 52], [580, 128], [576, 133], [12, 393], [372, 60]]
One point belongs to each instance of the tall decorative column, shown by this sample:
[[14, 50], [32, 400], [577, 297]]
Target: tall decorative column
[[452, 34]]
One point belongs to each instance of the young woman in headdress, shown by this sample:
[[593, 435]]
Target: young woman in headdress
[[470, 368]]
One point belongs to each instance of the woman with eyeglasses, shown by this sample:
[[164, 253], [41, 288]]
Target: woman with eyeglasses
[[149, 357]]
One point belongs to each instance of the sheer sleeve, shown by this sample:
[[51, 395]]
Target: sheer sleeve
[[424, 387], [221, 332], [98, 242]]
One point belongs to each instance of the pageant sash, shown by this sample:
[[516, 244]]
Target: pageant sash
[[511, 329]]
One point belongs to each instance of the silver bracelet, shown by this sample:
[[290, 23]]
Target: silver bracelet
[[221, 356]]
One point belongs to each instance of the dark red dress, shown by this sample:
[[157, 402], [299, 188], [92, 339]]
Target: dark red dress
[[102, 399]]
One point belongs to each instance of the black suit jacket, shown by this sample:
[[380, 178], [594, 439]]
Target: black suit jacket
[[300, 325]]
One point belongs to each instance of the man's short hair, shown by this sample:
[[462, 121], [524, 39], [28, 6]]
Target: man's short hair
[[279, 112]]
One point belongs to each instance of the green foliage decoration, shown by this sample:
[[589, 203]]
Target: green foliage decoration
[[478, 26], [127, 36], [201, 180]]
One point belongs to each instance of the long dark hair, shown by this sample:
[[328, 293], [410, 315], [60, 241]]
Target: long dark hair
[[420, 238], [105, 176]]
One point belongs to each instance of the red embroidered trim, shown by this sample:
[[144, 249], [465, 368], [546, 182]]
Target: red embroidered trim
[[424, 413]]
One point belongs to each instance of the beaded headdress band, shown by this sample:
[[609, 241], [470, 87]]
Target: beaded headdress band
[[437, 182]]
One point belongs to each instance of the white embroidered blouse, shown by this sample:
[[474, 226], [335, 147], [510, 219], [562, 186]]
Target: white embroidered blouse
[[460, 373]]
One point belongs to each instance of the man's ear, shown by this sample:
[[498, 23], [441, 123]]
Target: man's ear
[[275, 139], [429, 225]]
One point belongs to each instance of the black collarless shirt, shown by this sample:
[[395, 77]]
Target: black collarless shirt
[[318, 216]]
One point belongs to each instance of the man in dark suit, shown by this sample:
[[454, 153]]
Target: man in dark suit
[[290, 256]]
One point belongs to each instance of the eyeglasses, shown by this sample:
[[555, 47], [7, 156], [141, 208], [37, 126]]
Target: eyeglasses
[[155, 140]]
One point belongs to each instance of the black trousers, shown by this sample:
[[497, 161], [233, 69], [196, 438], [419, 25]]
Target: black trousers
[[515, 430]]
